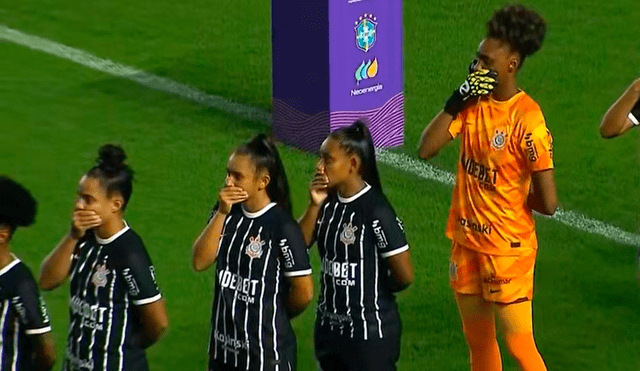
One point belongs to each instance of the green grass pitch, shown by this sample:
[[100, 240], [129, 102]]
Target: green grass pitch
[[55, 114]]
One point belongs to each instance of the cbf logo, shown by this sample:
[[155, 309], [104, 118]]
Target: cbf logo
[[99, 278], [254, 248], [348, 234], [499, 139], [366, 32]]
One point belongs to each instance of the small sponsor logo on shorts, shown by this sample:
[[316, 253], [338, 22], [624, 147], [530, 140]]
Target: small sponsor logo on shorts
[[515, 245], [494, 291], [497, 281]]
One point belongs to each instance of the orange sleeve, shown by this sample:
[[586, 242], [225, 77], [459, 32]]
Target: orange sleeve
[[537, 143]]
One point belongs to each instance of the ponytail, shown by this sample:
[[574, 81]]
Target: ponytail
[[356, 139], [265, 156]]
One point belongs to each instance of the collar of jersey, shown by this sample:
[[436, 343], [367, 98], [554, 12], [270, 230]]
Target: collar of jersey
[[364, 190], [259, 212], [10, 265], [112, 238], [515, 96]]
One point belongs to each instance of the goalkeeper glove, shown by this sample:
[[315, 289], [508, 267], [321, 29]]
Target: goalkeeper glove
[[478, 83]]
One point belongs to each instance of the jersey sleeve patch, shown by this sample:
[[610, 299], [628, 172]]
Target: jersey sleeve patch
[[537, 143], [29, 305], [388, 230], [294, 252]]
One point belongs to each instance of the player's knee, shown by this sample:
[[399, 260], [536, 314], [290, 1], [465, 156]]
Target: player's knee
[[479, 337], [520, 345]]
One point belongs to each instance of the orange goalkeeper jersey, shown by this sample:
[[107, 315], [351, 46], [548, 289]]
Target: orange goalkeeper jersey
[[502, 143]]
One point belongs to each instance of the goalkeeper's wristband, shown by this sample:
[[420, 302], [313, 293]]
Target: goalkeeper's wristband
[[455, 103]]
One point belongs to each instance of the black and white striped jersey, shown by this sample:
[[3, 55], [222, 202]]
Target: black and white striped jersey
[[108, 279], [355, 235], [634, 115], [23, 315], [250, 328]]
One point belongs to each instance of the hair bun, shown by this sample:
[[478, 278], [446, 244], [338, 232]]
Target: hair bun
[[111, 158]]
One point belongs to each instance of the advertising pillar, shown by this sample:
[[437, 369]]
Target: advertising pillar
[[334, 62]]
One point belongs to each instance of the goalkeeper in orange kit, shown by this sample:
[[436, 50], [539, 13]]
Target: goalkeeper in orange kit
[[505, 171]]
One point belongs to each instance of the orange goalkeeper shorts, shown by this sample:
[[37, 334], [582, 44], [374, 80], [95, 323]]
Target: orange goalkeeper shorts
[[499, 279]]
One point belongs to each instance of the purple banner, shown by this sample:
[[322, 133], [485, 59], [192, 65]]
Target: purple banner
[[334, 62]]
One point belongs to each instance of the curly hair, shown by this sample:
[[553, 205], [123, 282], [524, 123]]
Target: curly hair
[[520, 27], [17, 206]]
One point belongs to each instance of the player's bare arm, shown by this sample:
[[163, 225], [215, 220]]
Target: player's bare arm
[[435, 136], [56, 266], [205, 248], [300, 294], [154, 322], [542, 197], [44, 354], [616, 121], [400, 271]]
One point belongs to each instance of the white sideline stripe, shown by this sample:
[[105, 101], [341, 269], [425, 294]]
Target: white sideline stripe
[[397, 160], [426, 171], [143, 78]]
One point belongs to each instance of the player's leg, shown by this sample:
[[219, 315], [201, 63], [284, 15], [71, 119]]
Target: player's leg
[[480, 332], [329, 351], [511, 289], [517, 328], [476, 313]]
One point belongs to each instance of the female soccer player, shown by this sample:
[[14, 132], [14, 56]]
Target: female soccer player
[[25, 332], [263, 276], [116, 308], [623, 114], [505, 171], [365, 256]]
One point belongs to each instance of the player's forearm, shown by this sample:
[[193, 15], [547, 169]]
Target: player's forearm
[[435, 135], [615, 122], [307, 223], [147, 337], [43, 362], [55, 267], [44, 355], [540, 203], [205, 248], [298, 299], [543, 197], [153, 323]]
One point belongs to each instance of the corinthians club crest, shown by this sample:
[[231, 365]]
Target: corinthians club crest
[[99, 278], [348, 234], [254, 248], [499, 139]]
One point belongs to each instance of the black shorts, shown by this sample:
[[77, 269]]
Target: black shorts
[[337, 353]]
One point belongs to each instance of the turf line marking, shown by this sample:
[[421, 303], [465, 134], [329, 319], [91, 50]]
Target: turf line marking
[[398, 160], [143, 78]]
